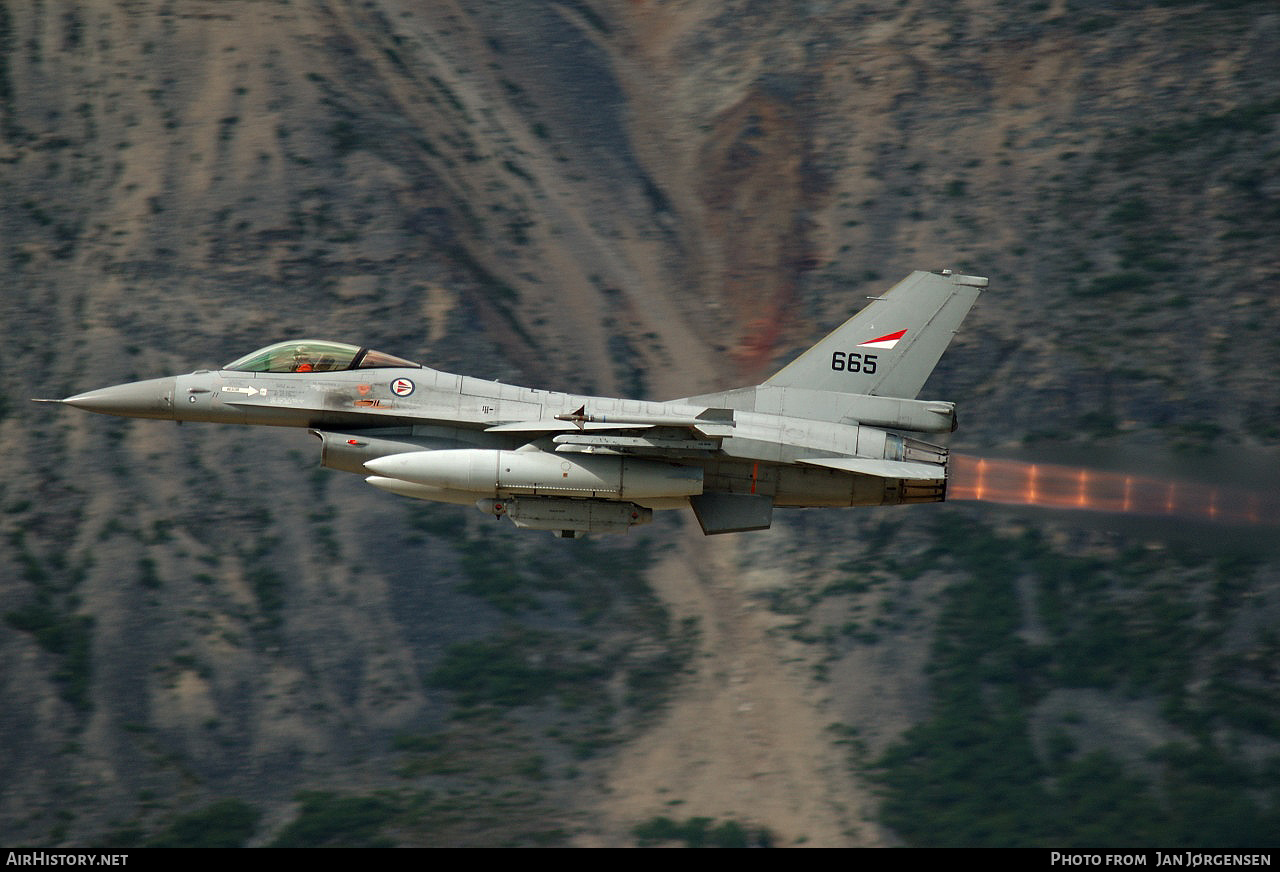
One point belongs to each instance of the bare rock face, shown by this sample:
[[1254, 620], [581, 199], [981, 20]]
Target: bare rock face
[[643, 198]]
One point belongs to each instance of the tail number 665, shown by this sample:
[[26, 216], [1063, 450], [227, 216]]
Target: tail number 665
[[853, 362]]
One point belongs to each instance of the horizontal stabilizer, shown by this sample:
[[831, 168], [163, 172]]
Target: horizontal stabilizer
[[882, 468]]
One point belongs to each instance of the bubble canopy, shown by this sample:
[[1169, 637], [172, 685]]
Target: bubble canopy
[[315, 355]]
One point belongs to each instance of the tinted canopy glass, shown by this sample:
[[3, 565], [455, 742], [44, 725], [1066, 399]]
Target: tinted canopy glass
[[313, 355]]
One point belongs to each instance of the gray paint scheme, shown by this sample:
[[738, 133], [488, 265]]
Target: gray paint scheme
[[827, 430]]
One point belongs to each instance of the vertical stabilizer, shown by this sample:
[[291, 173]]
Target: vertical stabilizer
[[890, 347]]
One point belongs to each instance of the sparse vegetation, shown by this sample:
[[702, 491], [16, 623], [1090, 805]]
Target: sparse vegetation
[[229, 823], [328, 820], [971, 775], [70, 638], [701, 832]]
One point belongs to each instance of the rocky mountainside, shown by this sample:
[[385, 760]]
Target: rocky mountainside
[[642, 198]]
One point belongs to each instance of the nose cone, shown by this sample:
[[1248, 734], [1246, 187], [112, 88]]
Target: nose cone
[[152, 398]]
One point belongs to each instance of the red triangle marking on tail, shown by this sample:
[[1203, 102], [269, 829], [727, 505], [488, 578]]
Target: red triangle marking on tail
[[888, 338]]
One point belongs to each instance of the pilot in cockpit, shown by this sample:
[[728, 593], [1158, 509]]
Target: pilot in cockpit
[[302, 361]]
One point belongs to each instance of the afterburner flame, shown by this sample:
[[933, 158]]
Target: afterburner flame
[[1017, 482]]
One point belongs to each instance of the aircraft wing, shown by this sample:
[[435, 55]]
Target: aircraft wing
[[670, 443], [552, 426], [709, 424]]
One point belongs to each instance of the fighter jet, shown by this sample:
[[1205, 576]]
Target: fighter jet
[[829, 429]]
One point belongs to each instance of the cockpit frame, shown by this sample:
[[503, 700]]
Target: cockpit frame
[[316, 355]]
